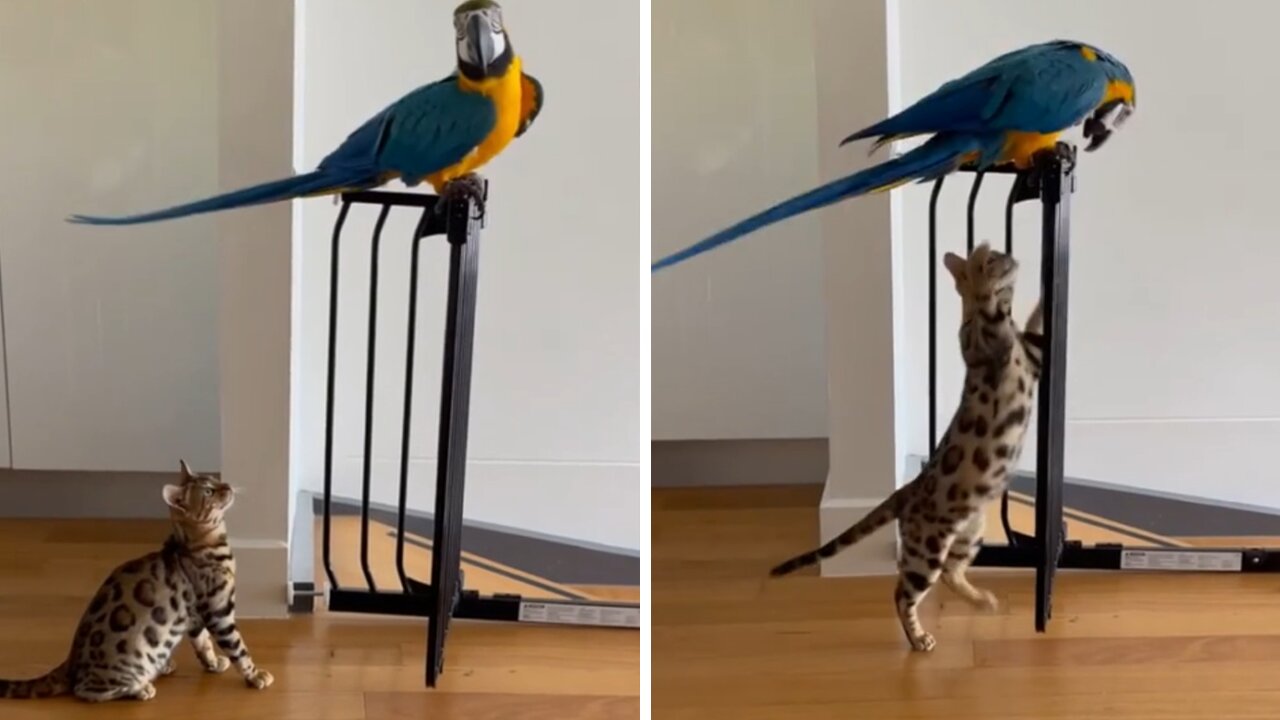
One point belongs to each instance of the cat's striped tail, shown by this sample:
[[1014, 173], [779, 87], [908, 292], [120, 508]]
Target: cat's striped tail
[[882, 515], [55, 682]]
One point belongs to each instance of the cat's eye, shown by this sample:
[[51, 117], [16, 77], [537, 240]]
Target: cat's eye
[[208, 492]]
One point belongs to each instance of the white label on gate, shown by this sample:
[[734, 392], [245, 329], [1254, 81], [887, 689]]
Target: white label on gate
[[1181, 560], [571, 614]]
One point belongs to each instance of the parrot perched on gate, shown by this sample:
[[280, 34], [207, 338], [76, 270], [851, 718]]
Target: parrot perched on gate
[[1004, 112], [440, 132]]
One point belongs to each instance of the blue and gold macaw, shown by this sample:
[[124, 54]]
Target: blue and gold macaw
[[1007, 111], [441, 132]]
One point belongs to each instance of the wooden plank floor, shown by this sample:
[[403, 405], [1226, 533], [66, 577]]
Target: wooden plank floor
[[730, 643], [326, 666]]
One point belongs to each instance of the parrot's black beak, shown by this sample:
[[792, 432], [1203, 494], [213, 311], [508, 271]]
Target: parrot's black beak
[[1096, 132], [1104, 121], [480, 38]]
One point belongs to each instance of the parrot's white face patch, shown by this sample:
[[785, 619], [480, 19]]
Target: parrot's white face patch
[[472, 54], [1115, 116], [489, 45]]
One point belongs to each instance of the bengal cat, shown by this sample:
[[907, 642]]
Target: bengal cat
[[127, 636], [942, 512]]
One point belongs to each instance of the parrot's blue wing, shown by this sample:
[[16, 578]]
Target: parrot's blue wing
[[1055, 92], [1041, 88], [361, 147], [424, 132]]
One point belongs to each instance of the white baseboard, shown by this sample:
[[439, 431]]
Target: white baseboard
[[82, 494], [719, 463], [874, 555], [262, 571]]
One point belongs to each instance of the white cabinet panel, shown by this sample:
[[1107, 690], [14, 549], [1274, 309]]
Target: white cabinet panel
[[112, 332]]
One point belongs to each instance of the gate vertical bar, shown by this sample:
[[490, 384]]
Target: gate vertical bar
[[329, 388], [1014, 195], [969, 210], [933, 313], [455, 394], [406, 426], [369, 373], [1056, 185]]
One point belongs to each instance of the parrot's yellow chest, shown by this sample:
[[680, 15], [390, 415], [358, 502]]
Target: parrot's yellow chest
[[505, 92], [1020, 148]]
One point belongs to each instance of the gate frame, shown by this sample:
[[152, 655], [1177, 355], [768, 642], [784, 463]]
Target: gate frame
[[1052, 181], [444, 597]]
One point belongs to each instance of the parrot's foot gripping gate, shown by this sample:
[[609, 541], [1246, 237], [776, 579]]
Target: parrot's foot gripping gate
[[470, 186], [1052, 181], [457, 217]]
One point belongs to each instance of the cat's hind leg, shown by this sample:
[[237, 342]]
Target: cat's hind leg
[[94, 688], [146, 691], [963, 550], [924, 545]]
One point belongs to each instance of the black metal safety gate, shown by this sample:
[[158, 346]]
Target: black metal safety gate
[[444, 598], [1052, 181]]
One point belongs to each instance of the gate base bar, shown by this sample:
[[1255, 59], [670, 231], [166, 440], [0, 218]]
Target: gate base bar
[[1108, 556], [503, 607]]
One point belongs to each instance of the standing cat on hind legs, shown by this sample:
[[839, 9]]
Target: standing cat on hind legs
[[942, 512], [127, 635]]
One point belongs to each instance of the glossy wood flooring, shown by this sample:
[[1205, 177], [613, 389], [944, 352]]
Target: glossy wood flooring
[[730, 643], [326, 666]]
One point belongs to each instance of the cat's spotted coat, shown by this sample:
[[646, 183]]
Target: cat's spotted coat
[[127, 636], [942, 512]]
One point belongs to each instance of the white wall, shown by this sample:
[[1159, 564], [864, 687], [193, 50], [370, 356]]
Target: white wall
[[1174, 342], [863, 281], [120, 341], [255, 129], [112, 334], [554, 436], [738, 334]]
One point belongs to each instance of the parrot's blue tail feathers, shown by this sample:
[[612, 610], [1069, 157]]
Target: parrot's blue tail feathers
[[939, 155], [312, 183]]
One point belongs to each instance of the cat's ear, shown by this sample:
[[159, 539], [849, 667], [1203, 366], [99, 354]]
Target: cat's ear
[[174, 495], [955, 265], [186, 470]]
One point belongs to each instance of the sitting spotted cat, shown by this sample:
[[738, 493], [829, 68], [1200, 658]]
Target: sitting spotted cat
[[942, 512], [127, 636]]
